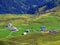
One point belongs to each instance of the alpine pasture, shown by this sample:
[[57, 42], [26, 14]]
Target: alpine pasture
[[33, 23]]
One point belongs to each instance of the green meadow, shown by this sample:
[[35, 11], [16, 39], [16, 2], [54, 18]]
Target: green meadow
[[26, 21]]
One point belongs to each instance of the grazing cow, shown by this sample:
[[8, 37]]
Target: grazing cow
[[43, 28], [53, 31], [27, 30], [24, 33]]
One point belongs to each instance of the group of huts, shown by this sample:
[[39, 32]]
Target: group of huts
[[42, 29]]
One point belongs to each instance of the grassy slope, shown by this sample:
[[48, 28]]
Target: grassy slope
[[33, 39], [51, 21]]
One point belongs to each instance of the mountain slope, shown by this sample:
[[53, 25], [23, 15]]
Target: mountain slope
[[53, 6], [25, 6], [34, 23]]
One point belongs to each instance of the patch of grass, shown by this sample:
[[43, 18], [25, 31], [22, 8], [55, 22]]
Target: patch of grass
[[37, 39]]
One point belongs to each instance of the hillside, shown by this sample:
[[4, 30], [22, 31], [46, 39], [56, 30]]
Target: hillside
[[26, 6], [22, 22]]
